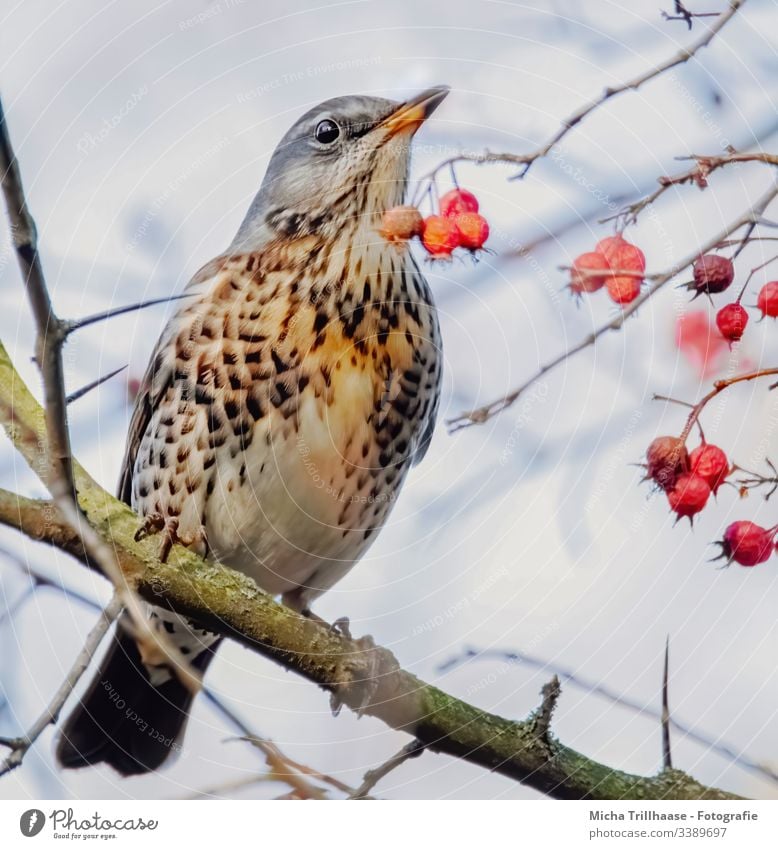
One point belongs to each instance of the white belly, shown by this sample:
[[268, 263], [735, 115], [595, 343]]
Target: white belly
[[294, 520]]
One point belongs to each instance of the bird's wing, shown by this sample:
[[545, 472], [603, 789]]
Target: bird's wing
[[153, 385], [158, 377]]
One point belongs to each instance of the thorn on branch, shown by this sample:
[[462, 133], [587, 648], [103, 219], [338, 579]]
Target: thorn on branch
[[79, 393], [667, 758], [72, 325]]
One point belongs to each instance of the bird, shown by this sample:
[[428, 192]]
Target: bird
[[283, 406]]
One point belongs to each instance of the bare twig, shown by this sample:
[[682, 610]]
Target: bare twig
[[526, 160], [280, 770], [755, 479], [79, 393], [718, 387], [485, 412], [283, 764], [373, 776], [698, 174], [20, 745], [683, 14]]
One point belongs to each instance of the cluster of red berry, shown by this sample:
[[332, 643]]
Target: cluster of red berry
[[714, 274], [689, 479], [600, 267], [459, 225]]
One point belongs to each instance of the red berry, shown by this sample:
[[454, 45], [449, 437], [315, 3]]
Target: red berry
[[580, 281], [440, 235], [457, 201], [666, 459], [768, 299], [401, 223], [710, 463], [712, 274], [731, 321], [473, 230], [747, 543], [623, 290], [689, 495], [621, 254]]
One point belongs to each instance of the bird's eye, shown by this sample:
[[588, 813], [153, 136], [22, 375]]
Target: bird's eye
[[326, 131]]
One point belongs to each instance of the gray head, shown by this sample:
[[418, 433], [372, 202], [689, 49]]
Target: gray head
[[345, 161]]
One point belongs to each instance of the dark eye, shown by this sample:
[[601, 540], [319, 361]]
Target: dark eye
[[326, 131]]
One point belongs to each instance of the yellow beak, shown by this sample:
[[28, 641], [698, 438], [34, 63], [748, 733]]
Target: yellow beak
[[413, 113]]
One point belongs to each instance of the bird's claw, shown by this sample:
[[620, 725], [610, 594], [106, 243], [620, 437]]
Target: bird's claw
[[156, 523], [342, 627]]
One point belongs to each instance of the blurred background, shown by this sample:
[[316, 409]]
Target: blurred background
[[143, 131]]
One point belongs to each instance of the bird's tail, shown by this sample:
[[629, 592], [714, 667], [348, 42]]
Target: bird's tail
[[123, 719]]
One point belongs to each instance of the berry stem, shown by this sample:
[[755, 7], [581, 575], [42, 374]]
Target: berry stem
[[752, 273], [718, 387]]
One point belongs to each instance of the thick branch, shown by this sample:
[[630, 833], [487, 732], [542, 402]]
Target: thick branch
[[233, 605]]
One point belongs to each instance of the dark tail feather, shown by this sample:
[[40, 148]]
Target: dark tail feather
[[122, 719]]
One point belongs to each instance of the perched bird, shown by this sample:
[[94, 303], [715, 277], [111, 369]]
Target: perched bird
[[283, 405]]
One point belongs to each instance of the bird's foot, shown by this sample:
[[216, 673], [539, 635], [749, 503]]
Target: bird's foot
[[156, 523]]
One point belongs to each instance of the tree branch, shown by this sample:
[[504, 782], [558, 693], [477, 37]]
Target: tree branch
[[230, 603], [526, 160]]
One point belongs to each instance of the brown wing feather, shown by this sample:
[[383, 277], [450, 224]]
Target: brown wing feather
[[154, 383]]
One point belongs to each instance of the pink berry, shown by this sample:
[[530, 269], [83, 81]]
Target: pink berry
[[747, 543], [710, 463], [768, 299], [440, 235], [731, 321], [689, 495], [456, 202], [623, 290], [712, 274], [473, 230], [401, 223], [666, 459], [580, 280]]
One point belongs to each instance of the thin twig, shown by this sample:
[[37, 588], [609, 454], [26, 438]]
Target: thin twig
[[373, 776], [268, 748], [703, 167], [20, 745], [683, 14], [718, 387], [526, 160]]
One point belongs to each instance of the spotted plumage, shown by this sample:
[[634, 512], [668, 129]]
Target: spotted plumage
[[291, 392]]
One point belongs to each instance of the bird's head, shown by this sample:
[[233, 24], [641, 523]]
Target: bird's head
[[344, 161]]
